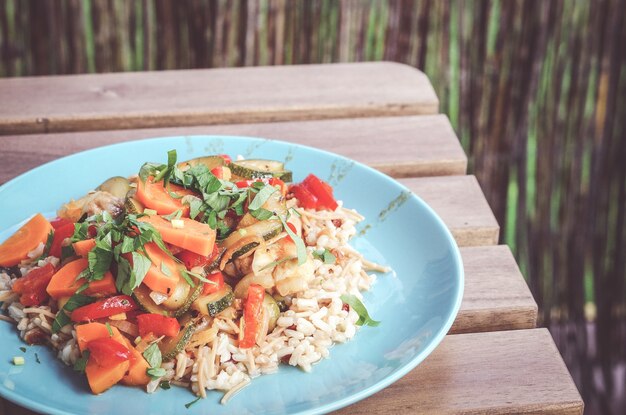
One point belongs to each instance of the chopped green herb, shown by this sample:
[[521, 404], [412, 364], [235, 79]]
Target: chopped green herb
[[18, 360], [165, 269], [356, 304], [82, 288], [325, 255], [67, 252], [75, 301], [81, 362], [300, 247], [275, 263], [37, 358], [261, 214], [109, 329], [23, 349], [153, 355], [174, 215], [46, 248], [261, 197], [165, 385], [188, 405], [155, 372]]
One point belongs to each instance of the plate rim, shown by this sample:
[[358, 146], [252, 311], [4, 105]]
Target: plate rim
[[393, 377]]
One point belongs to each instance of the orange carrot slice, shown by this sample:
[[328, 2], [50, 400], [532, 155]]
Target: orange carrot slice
[[64, 282], [164, 273], [27, 238], [92, 331], [82, 248], [102, 378], [155, 196], [194, 236], [136, 375]]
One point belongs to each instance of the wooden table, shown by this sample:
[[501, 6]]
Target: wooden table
[[383, 114]]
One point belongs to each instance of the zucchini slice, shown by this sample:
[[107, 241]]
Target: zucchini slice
[[141, 295], [178, 296], [214, 303], [266, 229], [210, 162], [171, 346], [131, 203], [272, 312], [259, 168]]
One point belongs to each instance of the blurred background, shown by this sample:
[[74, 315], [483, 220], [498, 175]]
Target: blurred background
[[536, 92]]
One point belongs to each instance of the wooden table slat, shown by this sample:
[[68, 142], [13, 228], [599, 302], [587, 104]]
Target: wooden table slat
[[517, 371], [512, 372], [496, 296], [460, 202], [212, 96], [406, 146]]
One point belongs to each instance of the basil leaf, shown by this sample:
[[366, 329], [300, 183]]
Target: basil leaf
[[141, 265], [109, 329], [46, 249], [165, 270], [174, 215], [261, 214], [153, 356], [155, 372], [81, 362], [127, 245], [261, 197], [67, 252], [326, 256], [61, 320], [356, 304], [300, 247]]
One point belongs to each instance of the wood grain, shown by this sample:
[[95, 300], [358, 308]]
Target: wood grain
[[496, 296], [479, 373], [483, 373], [406, 146], [212, 96], [460, 202]]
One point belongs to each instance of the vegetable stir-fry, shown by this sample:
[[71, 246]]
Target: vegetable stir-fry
[[153, 268]]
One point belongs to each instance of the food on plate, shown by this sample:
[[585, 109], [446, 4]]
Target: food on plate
[[202, 274]]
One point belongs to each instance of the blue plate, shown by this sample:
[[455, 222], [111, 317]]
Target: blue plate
[[416, 303]]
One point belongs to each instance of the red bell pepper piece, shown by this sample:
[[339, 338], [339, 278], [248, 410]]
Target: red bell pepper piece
[[33, 285], [226, 158], [157, 324], [63, 231], [216, 284], [322, 191], [192, 260], [107, 352], [252, 312], [104, 308], [218, 172], [306, 198], [59, 222]]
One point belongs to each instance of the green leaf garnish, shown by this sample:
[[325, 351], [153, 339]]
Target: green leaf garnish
[[325, 256], [356, 304], [81, 362], [153, 356], [109, 329], [300, 247], [155, 372], [75, 301], [261, 197], [188, 405]]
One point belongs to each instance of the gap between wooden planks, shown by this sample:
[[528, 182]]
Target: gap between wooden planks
[[212, 96], [406, 146]]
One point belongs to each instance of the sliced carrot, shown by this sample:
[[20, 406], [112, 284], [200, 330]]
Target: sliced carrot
[[155, 196], [82, 248], [194, 236], [92, 331], [136, 375], [164, 273], [26, 239], [102, 378], [64, 282]]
